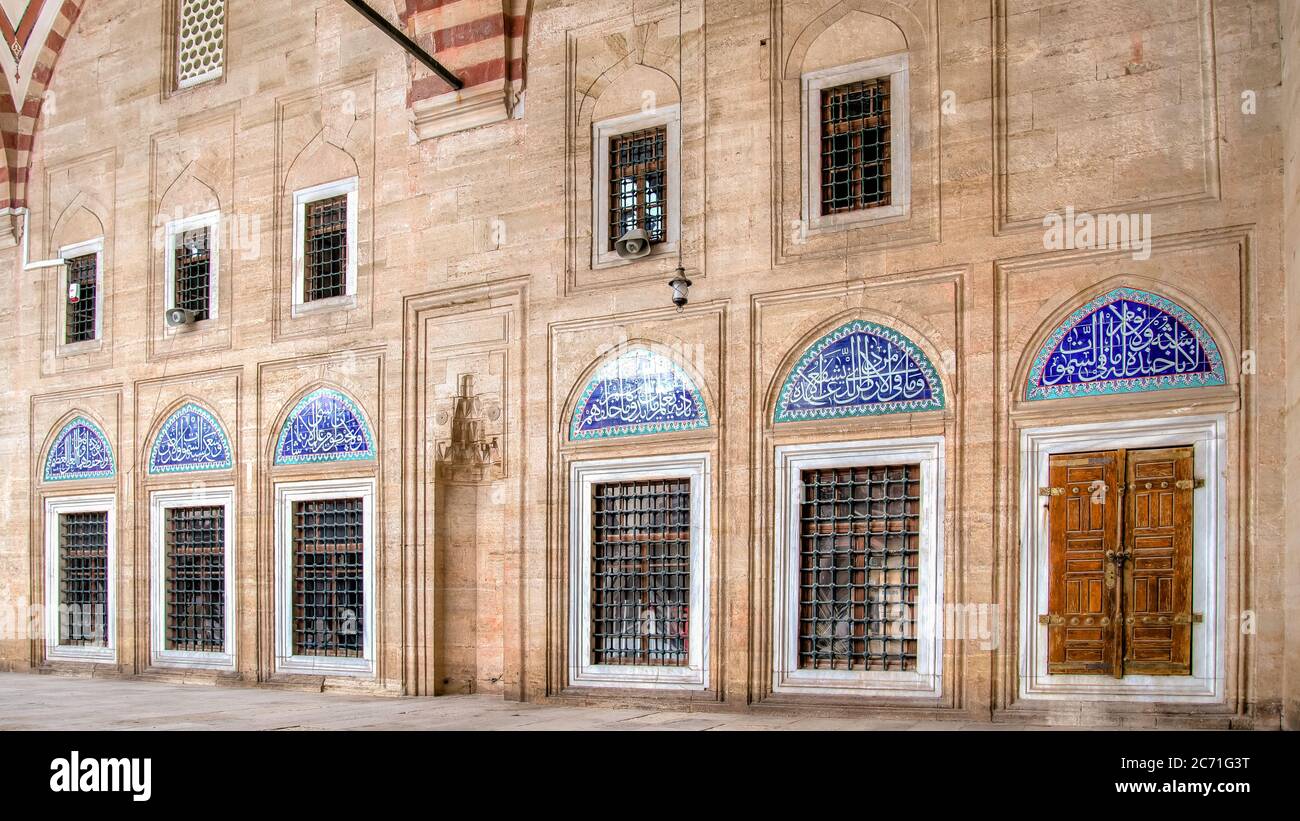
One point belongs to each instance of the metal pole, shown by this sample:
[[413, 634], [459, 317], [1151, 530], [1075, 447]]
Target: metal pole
[[407, 43]]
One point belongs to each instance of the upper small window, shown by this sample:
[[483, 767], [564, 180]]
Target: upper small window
[[638, 167], [83, 281], [82, 292], [855, 146], [635, 163], [192, 264], [326, 248], [325, 257], [200, 41], [856, 141]]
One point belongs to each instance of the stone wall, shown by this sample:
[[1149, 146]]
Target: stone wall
[[475, 259]]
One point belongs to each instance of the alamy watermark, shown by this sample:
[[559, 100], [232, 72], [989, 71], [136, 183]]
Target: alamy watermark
[[1115, 232]]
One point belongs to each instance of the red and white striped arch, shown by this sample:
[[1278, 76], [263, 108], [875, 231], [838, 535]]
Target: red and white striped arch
[[480, 41], [34, 32]]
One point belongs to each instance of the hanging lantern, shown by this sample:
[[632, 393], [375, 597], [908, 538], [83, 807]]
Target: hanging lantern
[[681, 287]]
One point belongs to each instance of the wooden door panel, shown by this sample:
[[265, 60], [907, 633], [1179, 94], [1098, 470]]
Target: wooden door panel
[[1157, 588], [1084, 520]]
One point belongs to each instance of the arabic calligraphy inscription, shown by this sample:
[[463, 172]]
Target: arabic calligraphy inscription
[[860, 369], [639, 392], [191, 439], [1126, 341], [325, 426]]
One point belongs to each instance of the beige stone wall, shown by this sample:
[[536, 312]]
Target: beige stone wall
[[1291, 260], [475, 258]]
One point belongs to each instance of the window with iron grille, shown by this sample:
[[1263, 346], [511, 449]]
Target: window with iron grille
[[195, 567], [325, 252], [858, 568], [193, 271], [641, 572], [638, 171], [83, 579], [855, 146], [79, 318], [328, 578]]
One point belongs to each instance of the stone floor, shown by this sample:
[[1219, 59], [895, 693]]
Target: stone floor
[[43, 702]]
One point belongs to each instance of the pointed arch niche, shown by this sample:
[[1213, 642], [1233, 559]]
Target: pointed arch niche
[[325, 425], [1124, 341], [861, 368], [80, 450], [638, 391], [190, 439]]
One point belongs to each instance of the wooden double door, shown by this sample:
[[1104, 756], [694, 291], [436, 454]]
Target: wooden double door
[[1120, 562]]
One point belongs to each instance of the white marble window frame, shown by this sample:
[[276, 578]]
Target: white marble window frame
[[96, 503], [790, 462], [582, 476], [175, 228], [602, 131], [895, 67], [286, 494], [80, 249], [1207, 435], [159, 502], [301, 199]]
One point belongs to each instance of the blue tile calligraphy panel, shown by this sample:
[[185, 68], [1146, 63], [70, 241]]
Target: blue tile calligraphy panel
[[860, 369], [1126, 341], [80, 451], [325, 426], [638, 392], [191, 439]]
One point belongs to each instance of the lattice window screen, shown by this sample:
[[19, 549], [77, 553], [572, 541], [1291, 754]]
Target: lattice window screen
[[326, 251], [329, 578], [859, 566], [196, 579], [200, 41], [641, 572], [193, 272], [856, 151], [638, 167], [79, 319], [83, 579]]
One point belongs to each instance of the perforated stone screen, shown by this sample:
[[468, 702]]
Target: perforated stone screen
[[200, 41]]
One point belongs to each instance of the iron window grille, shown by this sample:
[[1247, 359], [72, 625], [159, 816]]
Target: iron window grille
[[638, 174], [79, 319], [194, 272], [855, 146], [326, 248], [83, 579], [859, 565], [195, 593], [640, 572], [328, 578]]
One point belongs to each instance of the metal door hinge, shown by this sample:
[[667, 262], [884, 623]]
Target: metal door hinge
[[1051, 491], [1189, 484], [1189, 618], [1051, 621]]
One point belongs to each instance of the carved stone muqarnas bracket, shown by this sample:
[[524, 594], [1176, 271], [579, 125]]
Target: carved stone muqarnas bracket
[[470, 452]]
